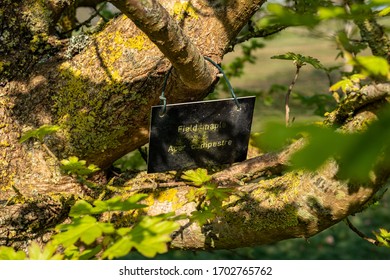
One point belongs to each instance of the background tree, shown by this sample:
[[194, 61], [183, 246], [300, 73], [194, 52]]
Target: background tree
[[72, 104]]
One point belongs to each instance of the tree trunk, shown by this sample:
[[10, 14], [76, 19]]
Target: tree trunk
[[99, 89]]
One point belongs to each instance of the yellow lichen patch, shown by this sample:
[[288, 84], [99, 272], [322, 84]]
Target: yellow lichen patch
[[170, 195], [38, 41], [4, 144], [80, 112], [140, 42], [181, 9], [111, 47], [278, 191]]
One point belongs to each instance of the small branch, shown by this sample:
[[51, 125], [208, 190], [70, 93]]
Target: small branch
[[49, 152], [87, 21], [262, 33], [287, 98], [360, 234]]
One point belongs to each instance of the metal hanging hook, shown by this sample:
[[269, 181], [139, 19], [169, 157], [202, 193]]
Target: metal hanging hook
[[226, 79]]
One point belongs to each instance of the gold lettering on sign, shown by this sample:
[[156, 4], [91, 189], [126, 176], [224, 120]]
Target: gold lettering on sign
[[196, 137]]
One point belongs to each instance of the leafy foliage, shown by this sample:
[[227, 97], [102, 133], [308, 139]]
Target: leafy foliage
[[86, 237], [209, 197], [326, 143], [82, 207], [198, 177], [73, 165], [310, 13], [322, 103], [383, 236], [300, 60], [86, 229], [49, 252], [236, 67], [39, 133], [150, 237], [8, 253], [349, 84], [372, 66]]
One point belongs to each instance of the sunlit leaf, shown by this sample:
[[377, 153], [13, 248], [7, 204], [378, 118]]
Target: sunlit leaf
[[203, 216], [149, 237], [331, 12], [119, 204], [383, 236], [8, 253], [39, 133], [384, 12], [48, 252], [345, 84], [198, 177], [86, 229], [373, 66], [73, 165]]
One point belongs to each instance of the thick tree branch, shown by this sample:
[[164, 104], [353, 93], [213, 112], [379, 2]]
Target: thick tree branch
[[373, 34], [159, 26], [367, 95]]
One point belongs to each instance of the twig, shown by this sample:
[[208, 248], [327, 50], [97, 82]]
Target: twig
[[49, 152], [361, 234], [261, 33], [87, 21], [287, 98]]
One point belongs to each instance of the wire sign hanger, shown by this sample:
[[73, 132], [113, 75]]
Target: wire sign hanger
[[199, 134]]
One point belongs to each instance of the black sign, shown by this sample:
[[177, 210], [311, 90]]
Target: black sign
[[199, 134]]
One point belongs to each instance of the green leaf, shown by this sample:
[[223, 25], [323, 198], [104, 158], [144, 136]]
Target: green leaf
[[73, 165], [89, 253], [80, 208], [8, 253], [355, 163], [345, 84], [202, 216], [220, 194], [47, 253], [384, 12], [331, 12], [117, 203], [274, 137], [324, 143], [383, 236], [348, 45], [86, 229], [373, 66], [39, 133], [149, 237], [283, 15], [198, 177], [300, 60]]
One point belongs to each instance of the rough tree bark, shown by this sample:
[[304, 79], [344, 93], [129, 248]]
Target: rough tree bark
[[99, 89]]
